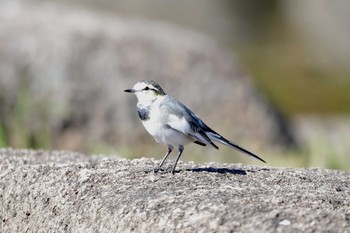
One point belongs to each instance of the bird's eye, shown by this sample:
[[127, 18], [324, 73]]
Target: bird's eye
[[146, 88]]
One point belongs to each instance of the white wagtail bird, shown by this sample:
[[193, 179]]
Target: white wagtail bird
[[172, 123]]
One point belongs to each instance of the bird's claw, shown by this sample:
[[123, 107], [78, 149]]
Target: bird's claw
[[157, 169]]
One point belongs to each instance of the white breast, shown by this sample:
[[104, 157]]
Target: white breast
[[163, 132]]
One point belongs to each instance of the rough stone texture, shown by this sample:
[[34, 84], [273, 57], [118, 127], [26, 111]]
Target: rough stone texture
[[63, 70], [63, 191]]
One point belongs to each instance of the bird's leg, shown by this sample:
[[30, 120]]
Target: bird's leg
[[170, 149], [181, 149]]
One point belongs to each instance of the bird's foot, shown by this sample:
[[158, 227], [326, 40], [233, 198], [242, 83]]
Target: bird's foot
[[157, 169]]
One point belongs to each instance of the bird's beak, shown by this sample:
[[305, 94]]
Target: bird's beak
[[130, 90]]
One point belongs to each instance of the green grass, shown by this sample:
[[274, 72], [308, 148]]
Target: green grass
[[15, 127], [2, 137]]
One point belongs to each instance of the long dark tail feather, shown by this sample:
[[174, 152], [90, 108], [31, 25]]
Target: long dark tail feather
[[226, 142], [200, 143], [210, 134]]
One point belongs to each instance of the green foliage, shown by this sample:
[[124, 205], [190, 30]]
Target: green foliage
[[16, 129], [2, 137], [285, 73]]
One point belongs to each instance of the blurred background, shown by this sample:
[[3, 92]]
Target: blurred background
[[272, 76]]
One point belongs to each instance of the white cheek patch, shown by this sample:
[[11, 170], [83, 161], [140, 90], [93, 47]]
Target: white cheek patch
[[144, 98]]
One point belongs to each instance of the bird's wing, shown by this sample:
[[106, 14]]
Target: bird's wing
[[188, 123], [180, 118]]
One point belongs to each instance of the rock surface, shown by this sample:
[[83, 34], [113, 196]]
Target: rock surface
[[55, 191]]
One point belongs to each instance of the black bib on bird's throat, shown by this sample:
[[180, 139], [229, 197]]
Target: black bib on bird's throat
[[143, 113]]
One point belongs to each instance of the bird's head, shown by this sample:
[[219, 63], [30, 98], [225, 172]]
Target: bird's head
[[146, 91]]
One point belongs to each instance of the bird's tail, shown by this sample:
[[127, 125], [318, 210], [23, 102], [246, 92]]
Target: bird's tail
[[222, 140]]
